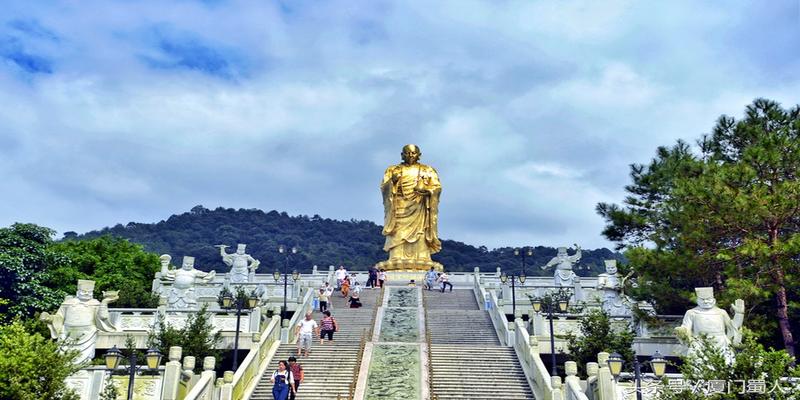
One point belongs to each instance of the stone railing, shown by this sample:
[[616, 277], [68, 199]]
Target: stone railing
[[143, 319], [527, 349], [488, 301], [244, 380], [203, 389], [572, 384], [600, 384]]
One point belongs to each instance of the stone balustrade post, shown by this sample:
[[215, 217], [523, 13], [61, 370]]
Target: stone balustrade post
[[226, 386], [314, 269], [533, 341], [172, 374], [188, 372], [255, 320], [538, 324], [558, 390], [606, 387], [498, 273]]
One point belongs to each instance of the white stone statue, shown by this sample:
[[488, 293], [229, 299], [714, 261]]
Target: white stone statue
[[79, 318], [564, 276], [713, 322], [611, 284], [165, 260], [241, 263], [182, 293]]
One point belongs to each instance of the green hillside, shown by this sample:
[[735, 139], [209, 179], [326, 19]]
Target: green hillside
[[322, 241]]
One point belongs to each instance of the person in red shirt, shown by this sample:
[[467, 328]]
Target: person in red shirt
[[297, 372]]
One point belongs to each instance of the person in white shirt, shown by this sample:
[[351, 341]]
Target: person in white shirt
[[283, 381], [444, 279], [304, 332], [357, 288], [340, 274]]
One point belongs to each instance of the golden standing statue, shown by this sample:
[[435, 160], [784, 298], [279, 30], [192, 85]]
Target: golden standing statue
[[411, 212]]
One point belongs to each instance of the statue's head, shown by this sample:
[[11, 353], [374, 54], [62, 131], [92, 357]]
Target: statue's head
[[240, 248], [188, 263], [611, 267], [562, 251], [85, 290], [705, 297], [165, 259], [411, 154]]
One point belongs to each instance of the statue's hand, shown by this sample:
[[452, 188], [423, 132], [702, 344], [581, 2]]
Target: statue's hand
[[738, 306], [110, 296], [682, 333], [46, 317]]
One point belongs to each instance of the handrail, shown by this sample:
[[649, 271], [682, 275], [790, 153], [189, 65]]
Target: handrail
[[532, 364], [246, 376], [203, 389]]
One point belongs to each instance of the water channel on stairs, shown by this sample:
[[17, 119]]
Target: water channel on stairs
[[394, 372]]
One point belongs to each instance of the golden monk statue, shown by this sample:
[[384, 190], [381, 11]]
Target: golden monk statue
[[411, 212]]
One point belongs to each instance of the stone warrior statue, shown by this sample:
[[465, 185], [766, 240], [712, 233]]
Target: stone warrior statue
[[612, 284], [564, 276], [411, 213], [79, 318], [238, 261], [713, 322], [182, 293]]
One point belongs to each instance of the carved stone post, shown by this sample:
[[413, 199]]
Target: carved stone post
[[172, 374], [605, 381], [188, 372], [226, 386]]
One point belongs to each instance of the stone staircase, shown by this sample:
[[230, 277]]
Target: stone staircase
[[467, 359], [329, 367], [478, 372]]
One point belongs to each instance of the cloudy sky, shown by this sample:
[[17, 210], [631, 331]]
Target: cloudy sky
[[118, 111]]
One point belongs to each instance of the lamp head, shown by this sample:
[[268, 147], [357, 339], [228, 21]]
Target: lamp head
[[153, 358], [659, 364], [276, 275], [112, 357], [503, 277], [615, 364]]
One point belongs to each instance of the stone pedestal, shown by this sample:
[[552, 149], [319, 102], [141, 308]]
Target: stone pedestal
[[409, 265]]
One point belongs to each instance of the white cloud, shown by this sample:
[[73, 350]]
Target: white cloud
[[531, 112]]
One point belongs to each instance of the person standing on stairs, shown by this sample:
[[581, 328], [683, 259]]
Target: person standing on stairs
[[340, 274], [304, 332], [445, 280], [372, 282], [381, 277], [430, 278], [345, 287], [283, 381], [327, 327], [298, 375], [323, 300]]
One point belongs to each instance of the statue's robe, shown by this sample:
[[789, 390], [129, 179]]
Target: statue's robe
[[411, 218], [77, 322]]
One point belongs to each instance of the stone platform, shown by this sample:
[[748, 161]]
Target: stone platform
[[409, 266]]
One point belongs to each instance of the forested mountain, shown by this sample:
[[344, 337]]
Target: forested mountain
[[322, 241]]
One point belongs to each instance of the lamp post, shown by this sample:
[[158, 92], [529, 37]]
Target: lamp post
[[504, 278], [239, 302], [523, 252], [657, 363], [549, 307], [113, 356], [288, 253]]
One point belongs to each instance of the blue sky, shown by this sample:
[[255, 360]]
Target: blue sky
[[118, 111]]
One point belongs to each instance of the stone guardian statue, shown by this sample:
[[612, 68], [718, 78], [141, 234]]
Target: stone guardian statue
[[564, 275], [182, 293], [79, 318], [611, 283], [713, 322], [241, 264], [411, 213]]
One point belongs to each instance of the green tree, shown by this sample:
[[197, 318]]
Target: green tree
[[113, 263], [596, 335], [727, 217], [25, 257], [752, 362], [197, 338], [32, 367]]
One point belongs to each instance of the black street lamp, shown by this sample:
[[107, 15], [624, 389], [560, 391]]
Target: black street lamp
[[239, 302], [277, 275], [504, 278], [523, 252], [657, 363], [550, 305], [113, 356]]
